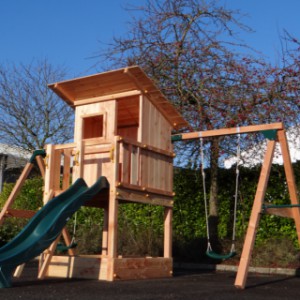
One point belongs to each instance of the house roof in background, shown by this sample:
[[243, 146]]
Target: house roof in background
[[255, 155], [15, 157]]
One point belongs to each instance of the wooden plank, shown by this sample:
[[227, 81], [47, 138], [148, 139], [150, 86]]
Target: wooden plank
[[290, 178], [134, 165], [97, 142], [56, 161], [143, 197], [96, 150], [230, 131], [143, 189], [66, 169], [126, 162], [141, 122], [84, 266], [144, 166], [142, 268], [14, 193], [64, 146], [280, 212], [48, 186], [243, 268], [146, 147], [19, 270], [20, 213], [105, 232], [169, 170], [78, 161]]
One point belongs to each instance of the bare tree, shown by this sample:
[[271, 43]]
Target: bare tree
[[31, 115]]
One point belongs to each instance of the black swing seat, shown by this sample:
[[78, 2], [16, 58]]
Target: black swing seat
[[215, 255]]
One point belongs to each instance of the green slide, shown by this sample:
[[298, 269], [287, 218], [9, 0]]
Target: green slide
[[45, 227]]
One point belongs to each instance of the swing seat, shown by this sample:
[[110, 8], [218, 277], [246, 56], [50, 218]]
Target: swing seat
[[62, 248], [215, 255]]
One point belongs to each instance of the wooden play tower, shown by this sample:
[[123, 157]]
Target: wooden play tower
[[123, 127]]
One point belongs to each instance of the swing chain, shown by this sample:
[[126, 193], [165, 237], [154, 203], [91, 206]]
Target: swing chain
[[209, 250], [204, 192]]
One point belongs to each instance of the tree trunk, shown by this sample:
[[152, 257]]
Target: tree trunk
[[213, 202]]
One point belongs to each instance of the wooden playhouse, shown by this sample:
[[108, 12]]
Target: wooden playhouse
[[123, 127]]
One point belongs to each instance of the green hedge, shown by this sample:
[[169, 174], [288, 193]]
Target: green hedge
[[29, 198], [141, 226]]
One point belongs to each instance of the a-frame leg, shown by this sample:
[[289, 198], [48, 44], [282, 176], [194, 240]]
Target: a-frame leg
[[290, 178], [242, 273], [47, 256], [28, 167]]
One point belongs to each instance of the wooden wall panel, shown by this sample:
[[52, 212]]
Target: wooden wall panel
[[108, 109], [155, 131], [96, 164]]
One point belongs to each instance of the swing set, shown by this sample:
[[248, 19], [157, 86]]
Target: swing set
[[275, 133]]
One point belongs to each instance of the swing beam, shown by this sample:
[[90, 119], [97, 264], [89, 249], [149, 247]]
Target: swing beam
[[227, 131], [275, 133]]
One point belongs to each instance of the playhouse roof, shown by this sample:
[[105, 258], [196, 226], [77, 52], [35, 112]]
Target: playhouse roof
[[115, 82]]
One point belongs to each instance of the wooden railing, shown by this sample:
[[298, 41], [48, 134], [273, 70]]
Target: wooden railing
[[139, 166], [62, 160], [144, 167]]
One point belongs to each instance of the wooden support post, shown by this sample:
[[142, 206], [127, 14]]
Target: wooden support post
[[78, 161], [112, 246], [41, 165], [46, 261], [49, 171], [113, 204], [168, 232], [15, 191], [242, 273], [290, 178], [105, 232], [68, 241], [66, 169], [19, 270]]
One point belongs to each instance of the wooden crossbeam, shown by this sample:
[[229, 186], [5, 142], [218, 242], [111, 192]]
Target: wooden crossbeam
[[286, 212], [20, 213], [229, 131]]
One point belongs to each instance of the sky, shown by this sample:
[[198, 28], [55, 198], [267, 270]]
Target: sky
[[71, 32]]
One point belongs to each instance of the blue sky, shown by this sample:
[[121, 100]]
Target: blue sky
[[69, 32]]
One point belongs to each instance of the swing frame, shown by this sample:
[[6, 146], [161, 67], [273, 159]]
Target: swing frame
[[275, 133]]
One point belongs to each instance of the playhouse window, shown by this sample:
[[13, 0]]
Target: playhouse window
[[93, 126]]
